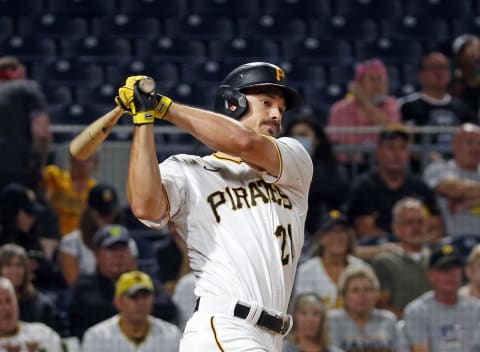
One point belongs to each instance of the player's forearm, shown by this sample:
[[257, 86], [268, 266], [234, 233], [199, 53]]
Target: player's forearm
[[144, 185]]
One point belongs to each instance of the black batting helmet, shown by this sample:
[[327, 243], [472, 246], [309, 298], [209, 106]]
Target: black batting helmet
[[230, 99]]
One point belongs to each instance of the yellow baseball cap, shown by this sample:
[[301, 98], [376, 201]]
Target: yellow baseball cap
[[131, 282]]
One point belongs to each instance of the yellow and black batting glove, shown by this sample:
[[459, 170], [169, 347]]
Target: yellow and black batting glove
[[144, 107]]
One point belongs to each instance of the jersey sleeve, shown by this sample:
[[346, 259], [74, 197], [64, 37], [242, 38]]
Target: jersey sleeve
[[296, 165]]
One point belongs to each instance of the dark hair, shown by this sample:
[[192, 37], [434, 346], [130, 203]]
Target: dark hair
[[324, 149], [88, 226]]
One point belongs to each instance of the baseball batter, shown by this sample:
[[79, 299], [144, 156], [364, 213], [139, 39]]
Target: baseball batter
[[240, 210]]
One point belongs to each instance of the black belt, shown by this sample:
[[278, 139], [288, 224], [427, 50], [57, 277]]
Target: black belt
[[267, 320]]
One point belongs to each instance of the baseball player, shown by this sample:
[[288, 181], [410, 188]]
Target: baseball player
[[240, 210]]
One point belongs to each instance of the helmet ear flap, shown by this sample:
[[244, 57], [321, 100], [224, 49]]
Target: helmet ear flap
[[230, 102]]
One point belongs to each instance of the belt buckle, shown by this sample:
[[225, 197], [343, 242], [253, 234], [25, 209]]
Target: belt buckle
[[287, 324]]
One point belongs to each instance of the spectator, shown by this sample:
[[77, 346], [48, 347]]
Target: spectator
[[333, 253], [433, 105], [406, 268], [466, 81], [376, 192], [76, 248], [67, 190], [16, 335], [359, 326], [310, 328], [184, 298], [26, 123], [472, 271], [92, 294], [133, 328], [368, 104], [330, 187], [457, 182], [441, 320], [34, 306]]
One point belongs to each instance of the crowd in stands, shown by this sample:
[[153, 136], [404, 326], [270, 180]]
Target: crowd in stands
[[391, 260]]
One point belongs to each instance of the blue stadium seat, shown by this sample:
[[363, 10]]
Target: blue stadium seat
[[241, 50], [322, 98], [271, 27], [346, 28], [58, 98], [408, 28], [69, 73], [466, 25], [170, 50], [391, 51], [49, 25], [96, 49], [318, 50], [6, 27], [193, 95], [76, 114], [154, 8], [209, 73], [15, 8], [225, 8], [29, 49], [99, 96], [438, 8], [371, 9], [199, 27], [82, 8], [298, 8], [304, 75], [121, 25], [165, 74]]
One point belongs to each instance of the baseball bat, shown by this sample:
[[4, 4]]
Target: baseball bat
[[87, 142]]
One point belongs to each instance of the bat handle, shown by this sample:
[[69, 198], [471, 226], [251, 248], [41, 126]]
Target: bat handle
[[147, 85]]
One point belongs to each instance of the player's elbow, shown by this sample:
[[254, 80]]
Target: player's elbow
[[246, 143], [147, 210]]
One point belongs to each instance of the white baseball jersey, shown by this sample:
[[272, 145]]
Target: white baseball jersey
[[107, 336], [244, 228], [33, 334]]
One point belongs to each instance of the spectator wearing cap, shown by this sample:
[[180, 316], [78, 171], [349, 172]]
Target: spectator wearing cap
[[457, 183], [76, 248], [441, 319], [376, 191], [92, 294], [334, 245], [466, 81], [133, 328], [67, 190], [367, 104], [472, 272], [407, 267]]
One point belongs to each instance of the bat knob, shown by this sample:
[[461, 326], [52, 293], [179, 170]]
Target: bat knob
[[147, 85]]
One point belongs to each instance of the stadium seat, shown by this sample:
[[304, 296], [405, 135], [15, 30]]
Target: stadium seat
[[6, 27], [69, 73], [298, 8], [438, 8], [77, 114], [99, 96], [58, 98], [318, 50], [209, 73], [240, 50], [121, 25], [233, 9], [82, 8], [96, 49], [165, 73], [270, 27], [167, 49], [466, 25], [304, 75], [193, 95], [346, 28], [49, 25], [391, 51], [371, 9], [154, 8], [199, 27], [15, 8], [322, 98], [408, 28], [29, 49]]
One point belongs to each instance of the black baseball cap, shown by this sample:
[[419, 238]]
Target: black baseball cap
[[393, 131], [103, 198], [444, 256], [333, 218], [18, 196], [109, 235]]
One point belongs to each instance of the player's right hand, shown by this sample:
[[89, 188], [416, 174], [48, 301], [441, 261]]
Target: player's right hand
[[144, 107]]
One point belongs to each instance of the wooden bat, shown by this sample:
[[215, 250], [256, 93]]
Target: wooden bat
[[87, 142]]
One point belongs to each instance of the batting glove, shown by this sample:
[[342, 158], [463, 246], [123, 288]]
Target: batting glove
[[144, 107]]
